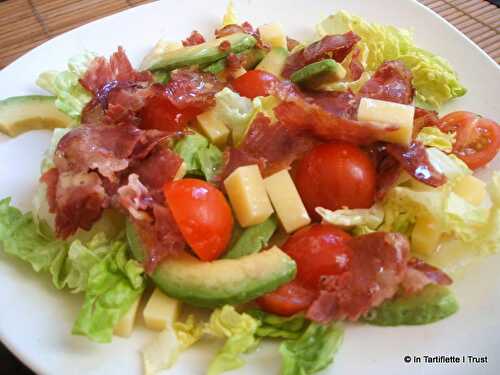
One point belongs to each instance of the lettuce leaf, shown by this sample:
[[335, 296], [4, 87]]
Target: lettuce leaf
[[313, 351], [347, 218], [20, 237], [71, 96], [113, 285], [101, 268], [290, 327], [200, 156], [252, 239], [434, 79], [239, 331], [230, 15], [450, 165], [235, 111], [431, 136], [164, 350], [458, 252]]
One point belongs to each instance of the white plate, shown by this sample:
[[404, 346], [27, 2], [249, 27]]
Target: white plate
[[35, 319]]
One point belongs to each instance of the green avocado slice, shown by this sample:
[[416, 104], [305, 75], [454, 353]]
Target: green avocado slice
[[221, 282], [253, 239], [319, 72], [203, 53], [433, 303], [250, 58], [20, 114]]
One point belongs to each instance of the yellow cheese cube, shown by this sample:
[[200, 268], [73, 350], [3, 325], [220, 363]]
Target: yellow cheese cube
[[380, 111], [160, 311], [471, 189], [126, 324], [273, 34], [286, 201], [247, 193], [425, 235], [213, 127]]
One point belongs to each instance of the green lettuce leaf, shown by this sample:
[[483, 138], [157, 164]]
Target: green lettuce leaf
[[253, 239], [164, 350], [235, 111], [450, 165], [460, 251], [291, 327], [370, 218], [434, 79], [239, 331], [313, 351], [71, 97], [200, 156], [431, 136], [20, 237], [114, 284]]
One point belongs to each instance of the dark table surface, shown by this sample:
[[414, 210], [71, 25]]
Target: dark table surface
[[9, 364]]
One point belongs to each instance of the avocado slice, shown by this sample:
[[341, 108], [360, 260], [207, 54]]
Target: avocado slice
[[251, 58], [224, 281], [253, 239], [274, 61], [200, 54], [20, 114], [433, 303], [319, 72]]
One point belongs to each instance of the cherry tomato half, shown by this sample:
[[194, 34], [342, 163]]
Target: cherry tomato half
[[477, 138], [288, 299], [319, 250], [255, 83], [334, 176], [159, 113], [202, 214]]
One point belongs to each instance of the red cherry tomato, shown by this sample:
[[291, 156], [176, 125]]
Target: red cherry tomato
[[255, 83], [202, 214], [334, 176], [477, 138], [319, 250], [288, 299], [159, 113]]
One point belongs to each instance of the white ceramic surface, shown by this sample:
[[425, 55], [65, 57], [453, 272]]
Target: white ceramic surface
[[35, 319]]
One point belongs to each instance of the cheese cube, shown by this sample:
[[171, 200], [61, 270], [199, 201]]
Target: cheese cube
[[126, 324], [380, 111], [471, 189], [425, 236], [286, 201], [273, 34], [247, 193], [160, 311], [213, 127]]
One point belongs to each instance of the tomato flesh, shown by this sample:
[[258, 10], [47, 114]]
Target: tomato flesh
[[477, 138], [255, 83], [335, 176], [288, 299], [318, 250], [159, 113], [202, 214]]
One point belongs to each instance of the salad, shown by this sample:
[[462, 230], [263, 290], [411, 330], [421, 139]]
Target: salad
[[253, 187]]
